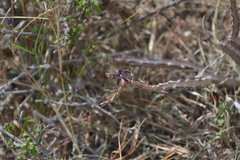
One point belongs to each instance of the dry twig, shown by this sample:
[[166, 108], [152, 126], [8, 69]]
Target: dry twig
[[232, 45]]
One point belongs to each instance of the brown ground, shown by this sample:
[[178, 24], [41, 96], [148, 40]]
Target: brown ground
[[64, 100]]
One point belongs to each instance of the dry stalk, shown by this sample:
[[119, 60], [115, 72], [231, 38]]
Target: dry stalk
[[195, 83], [232, 45], [159, 63], [198, 83], [206, 73]]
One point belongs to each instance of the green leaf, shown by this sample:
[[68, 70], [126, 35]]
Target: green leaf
[[70, 43], [24, 49], [25, 135], [88, 47], [95, 5], [10, 127], [34, 29], [37, 128], [80, 27], [83, 3], [24, 146], [9, 142], [28, 140], [24, 127], [87, 12], [29, 120], [33, 150], [83, 68], [68, 17], [221, 121]]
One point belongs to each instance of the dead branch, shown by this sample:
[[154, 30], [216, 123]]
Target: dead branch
[[193, 84], [232, 45], [159, 63], [235, 19]]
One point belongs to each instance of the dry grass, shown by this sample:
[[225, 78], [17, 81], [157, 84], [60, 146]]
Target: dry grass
[[59, 64]]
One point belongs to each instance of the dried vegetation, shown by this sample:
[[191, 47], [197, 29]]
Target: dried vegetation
[[179, 102]]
